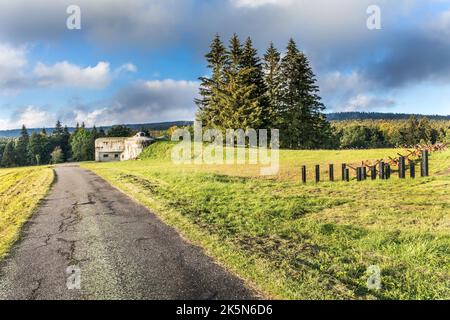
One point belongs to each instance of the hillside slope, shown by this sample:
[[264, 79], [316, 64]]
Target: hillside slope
[[308, 241]]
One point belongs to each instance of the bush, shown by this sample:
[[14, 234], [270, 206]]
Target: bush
[[57, 156]]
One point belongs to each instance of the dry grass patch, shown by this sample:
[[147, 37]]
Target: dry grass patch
[[21, 190]]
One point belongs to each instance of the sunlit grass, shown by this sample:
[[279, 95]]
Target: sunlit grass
[[312, 241], [21, 190]]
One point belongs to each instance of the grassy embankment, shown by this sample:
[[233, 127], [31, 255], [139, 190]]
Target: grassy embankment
[[21, 190], [297, 241]]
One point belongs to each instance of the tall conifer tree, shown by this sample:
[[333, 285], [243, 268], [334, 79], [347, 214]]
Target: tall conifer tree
[[252, 62], [9, 159], [21, 149], [65, 144], [209, 109], [302, 120], [280, 93], [272, 79], [238, 99]]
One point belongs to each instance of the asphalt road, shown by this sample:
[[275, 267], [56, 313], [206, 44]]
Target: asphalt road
[[118, 250]]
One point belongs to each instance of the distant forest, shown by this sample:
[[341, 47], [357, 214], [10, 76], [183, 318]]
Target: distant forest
[[342, 116], [57, 145], [159, 126], [61, 144], [163, 126]]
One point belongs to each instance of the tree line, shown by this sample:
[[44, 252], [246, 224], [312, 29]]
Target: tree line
[[354, 115], [41, 148], [383, 133], [389, 133], [276, 90]]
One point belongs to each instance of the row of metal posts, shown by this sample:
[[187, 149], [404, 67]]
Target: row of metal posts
[[384, 170]]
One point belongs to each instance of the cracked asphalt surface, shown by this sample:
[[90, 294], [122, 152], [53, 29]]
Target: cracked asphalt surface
[[123, 251]]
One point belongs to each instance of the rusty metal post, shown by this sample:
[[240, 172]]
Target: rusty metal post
[[382, 170], [331, 172], [387, 171], [425, 168], [304, 174], [373, 172], [412, 169], [401, 168]]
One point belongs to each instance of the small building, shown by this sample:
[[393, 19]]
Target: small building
[[121, 149]]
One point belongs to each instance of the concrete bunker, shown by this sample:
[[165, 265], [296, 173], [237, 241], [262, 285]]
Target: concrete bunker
[[121, 148]]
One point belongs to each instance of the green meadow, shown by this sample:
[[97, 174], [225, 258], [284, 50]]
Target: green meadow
[[294, 241]]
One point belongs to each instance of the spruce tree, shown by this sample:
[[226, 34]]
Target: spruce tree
[[237, 96], [65, 143], [235, 54], [303, 123], [208, 108], [58, 128], [46, 147], [241, 108], [251, 61], [280, 93], [2, 149], [273, 85], [8, 159], [22, 147], [37, 149], [80, 144], [232, 98], [56, 137], [91, 147]]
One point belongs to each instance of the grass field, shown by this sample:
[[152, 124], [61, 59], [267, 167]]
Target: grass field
[[295, 241], [21, 190]]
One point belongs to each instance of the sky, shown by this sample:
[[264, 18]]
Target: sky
[[139, 61]]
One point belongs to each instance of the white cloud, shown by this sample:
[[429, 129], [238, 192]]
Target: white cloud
[[441, 25], [15, 77], [67, 74], [336, 80], [12, 61], [158, 23], [90, 118], [141, 102], [364, 102], [333, 34], [34, 117], [352, 92], [103, 21], [11, 57], [169, 84], [258, 3], [30, 116], [127, 67]]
